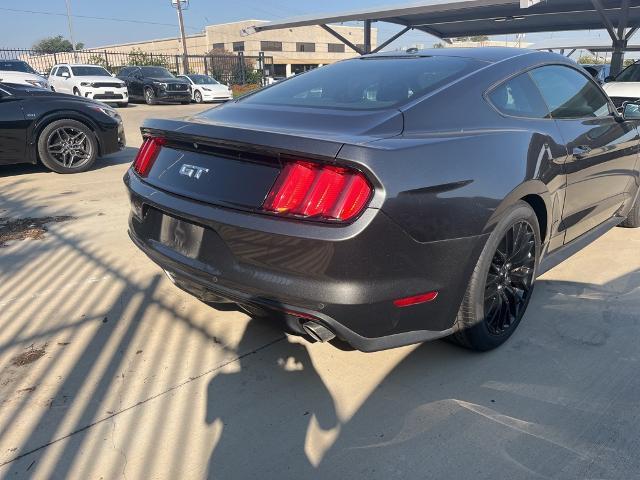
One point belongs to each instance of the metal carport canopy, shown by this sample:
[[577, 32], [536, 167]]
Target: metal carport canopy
[[449, 19]]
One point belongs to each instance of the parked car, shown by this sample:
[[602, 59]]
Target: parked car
[[599, 71], [89, 81], [67, 134], [17, 71], [625, 87], [154, 85], [207, 89], [418, 196]]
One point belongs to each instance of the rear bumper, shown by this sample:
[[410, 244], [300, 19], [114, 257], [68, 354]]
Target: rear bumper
[[346, 278]]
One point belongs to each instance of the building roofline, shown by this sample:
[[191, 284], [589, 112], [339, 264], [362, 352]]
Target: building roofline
[[127, 44]]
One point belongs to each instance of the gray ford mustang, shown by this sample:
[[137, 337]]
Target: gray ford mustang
[[392, 198]]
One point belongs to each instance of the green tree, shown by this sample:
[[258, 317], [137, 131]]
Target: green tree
[[479, 38], [143, 59], [438, 45], [55, 44], [589, 60], [461, 39]]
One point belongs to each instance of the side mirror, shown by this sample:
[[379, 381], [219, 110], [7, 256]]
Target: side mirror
[[609, 78], [65, 75], [631, 111]]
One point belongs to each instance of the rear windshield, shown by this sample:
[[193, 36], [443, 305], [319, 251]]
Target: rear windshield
[[90, 72], [366, 83], [16, 66]]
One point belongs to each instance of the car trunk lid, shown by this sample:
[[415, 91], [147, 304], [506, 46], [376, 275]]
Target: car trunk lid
[[236, 165]]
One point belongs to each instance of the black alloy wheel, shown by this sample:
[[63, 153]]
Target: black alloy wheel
[[502, 282], [510, 278]]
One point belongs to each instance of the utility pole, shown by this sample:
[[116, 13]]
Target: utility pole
[[185, 59], [73, 42]]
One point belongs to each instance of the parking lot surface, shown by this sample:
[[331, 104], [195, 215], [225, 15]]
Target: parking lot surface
[[108, 371]]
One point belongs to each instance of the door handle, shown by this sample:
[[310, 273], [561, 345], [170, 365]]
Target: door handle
[[581, 151]]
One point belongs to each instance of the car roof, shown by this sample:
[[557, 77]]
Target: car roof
[[76, 65], [484, 54]]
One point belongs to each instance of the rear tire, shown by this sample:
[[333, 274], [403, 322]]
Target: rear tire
[[502, 282], [633, 219], [63, 136]]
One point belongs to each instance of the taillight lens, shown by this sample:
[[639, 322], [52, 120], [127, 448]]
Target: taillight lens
[[147, 155], [324, 192]]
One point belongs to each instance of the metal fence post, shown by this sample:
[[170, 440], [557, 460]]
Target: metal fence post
[[243, 76], [261, 67], [106, 59]]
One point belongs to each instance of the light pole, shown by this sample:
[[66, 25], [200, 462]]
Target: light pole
[[180, 4], [73, 43]]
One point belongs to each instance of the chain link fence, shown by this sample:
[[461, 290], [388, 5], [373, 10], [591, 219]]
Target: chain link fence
[[237, 69]]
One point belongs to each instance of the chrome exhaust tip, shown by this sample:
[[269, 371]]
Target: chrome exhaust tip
[[318, 332]]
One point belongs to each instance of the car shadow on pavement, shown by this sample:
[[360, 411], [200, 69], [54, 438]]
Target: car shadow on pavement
[[286, 372], [557, 401]]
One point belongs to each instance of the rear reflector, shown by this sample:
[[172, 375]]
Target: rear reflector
[[316, 191], [416, 299], [147, 155]]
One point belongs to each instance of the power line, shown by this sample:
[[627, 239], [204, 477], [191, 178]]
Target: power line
[[111, 19]]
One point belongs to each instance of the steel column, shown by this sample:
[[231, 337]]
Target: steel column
[[367, 36]]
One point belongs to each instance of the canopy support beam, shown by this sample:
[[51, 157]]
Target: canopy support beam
[[342, 39], [619, 39], [392, 39], [367, 36]]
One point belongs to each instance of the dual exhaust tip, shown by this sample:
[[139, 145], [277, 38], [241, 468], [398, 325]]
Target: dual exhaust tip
[[318, 332]]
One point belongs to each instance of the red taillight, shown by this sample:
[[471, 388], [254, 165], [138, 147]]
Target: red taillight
[[147, 155], [324, 192], [416, 299]]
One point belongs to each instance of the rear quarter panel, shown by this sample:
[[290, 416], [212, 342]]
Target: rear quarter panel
[[459, 162]]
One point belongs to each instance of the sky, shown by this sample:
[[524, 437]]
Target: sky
[[19, 29]]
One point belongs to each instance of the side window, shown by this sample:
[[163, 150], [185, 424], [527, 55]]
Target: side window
[[61, 70], [519, 97], [569, 93], [630, 74], [53, 71], [125, 72]]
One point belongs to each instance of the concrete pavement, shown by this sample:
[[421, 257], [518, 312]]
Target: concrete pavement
[[108, 371]]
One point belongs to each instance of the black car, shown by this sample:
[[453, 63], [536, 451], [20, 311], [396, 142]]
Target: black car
[[66, 133], [392, 198], [154, 85]]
